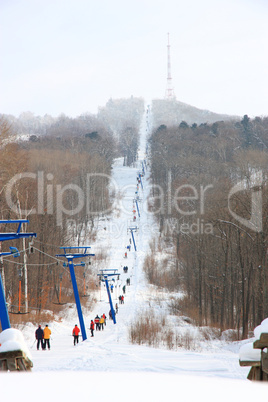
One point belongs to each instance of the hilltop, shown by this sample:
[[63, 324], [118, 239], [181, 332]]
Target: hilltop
[[173, 112]]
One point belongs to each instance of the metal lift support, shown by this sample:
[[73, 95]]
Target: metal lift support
[[133, 229], [141, 180], [4, 317], [136, 201], [104, 277], [70, 255]]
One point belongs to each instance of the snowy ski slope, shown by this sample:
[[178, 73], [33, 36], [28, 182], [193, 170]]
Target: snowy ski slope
[[108, 367]]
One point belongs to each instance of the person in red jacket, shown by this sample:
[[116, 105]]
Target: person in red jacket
[[76, 331], [97, 322], [92, 327]]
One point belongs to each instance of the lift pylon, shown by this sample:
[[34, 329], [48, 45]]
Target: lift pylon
[[104, 276], [4, 317], [133, 229], [70, 253]]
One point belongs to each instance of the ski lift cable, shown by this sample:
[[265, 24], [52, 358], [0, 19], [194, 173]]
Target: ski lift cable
[[48, 255], [51, 245], [50, 264], [57, 260], [20, 251], [47, 244], [29, 264]]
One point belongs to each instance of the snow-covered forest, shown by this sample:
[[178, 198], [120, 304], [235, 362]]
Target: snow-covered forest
[[219, 255], [196, 282]]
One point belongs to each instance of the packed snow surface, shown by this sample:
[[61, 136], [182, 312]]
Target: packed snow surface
[[107, 367]]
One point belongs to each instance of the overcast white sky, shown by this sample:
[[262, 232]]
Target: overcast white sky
[[71, 56]]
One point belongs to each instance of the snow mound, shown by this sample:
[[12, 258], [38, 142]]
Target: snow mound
[[262, 328], [248, 353], [12, 339]]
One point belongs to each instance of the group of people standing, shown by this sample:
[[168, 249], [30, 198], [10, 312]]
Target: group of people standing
[[43, 337], [98, 323]]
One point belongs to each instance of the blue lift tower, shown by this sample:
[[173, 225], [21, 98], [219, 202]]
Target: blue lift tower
[[4, 317], [71, 253], [104, 277], [133, 229]]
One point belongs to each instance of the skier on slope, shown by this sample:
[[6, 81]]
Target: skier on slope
[[39, 335], [92, 326], [101, 323], [47, 333], [76, 331], [104, 317], [97, 322]]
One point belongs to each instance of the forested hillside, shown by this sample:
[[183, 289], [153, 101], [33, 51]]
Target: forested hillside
[[56, 173], [210, 199], [48, 181]]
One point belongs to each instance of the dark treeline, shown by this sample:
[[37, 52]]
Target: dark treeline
[[218, 228]]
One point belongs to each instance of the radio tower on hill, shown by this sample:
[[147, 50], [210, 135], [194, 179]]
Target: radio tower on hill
[[170, 94]]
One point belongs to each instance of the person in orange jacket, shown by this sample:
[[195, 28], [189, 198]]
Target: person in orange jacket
[[46, 341], [76, 331], [101, 323]]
